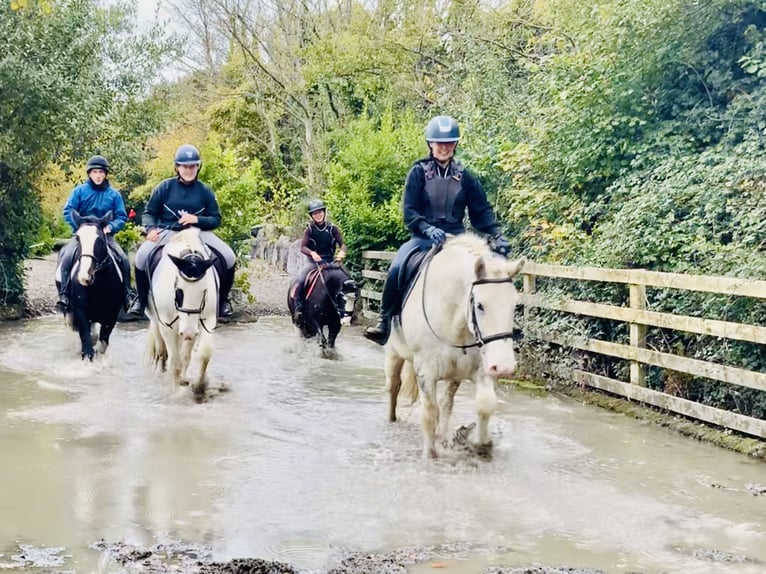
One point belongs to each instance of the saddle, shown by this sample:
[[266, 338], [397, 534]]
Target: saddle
[[413, 265]]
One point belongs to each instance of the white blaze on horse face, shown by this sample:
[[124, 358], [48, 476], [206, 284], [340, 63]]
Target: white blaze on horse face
[[87, 235], [495, 306]]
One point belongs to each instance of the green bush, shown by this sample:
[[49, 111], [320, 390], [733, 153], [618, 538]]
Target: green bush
[[366, 180]]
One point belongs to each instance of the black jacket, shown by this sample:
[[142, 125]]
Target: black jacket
[[471, 197]]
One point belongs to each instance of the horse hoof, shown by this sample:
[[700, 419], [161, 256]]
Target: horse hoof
[[484, 450]]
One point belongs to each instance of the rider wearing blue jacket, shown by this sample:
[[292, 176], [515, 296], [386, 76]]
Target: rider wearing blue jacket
[[95, 197]]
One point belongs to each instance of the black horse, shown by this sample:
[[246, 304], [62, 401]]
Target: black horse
[[95, 287], [330, 298]]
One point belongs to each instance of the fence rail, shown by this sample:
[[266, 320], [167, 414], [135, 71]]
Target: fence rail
[[638, 319]]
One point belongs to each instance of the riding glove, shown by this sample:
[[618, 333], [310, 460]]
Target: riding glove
[[501, 245], [438, 236]]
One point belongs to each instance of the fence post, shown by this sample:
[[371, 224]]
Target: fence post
[[365, 300], [530, 288], [637, 334]]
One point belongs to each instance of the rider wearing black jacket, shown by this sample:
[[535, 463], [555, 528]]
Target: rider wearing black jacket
[[438, 192], [319, 243]]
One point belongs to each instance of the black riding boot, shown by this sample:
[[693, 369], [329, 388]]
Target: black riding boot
[[66, 272], [130, 295], [227, 282], [298, 303], [142, 285], [380, 332]]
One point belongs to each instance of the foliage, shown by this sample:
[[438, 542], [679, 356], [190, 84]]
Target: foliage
[[366, 180], [71, 74]]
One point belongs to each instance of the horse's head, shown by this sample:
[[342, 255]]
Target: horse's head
[[93, 250], [491, 312], [346, 299], [192, 293]]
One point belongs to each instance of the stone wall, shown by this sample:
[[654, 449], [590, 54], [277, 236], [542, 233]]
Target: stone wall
[[271, 244]]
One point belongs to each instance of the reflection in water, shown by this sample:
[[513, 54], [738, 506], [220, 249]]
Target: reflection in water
[[297, 463]]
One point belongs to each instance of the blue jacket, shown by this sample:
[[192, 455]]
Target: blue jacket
[[88, 200]]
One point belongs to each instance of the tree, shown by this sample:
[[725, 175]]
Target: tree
[[73, 80]]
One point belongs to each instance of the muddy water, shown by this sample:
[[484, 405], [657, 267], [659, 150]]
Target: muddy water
[[292, 459]]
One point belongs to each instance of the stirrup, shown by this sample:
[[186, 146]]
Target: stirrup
[[378, 334], [62, 305], [137, 308], [225, 310]]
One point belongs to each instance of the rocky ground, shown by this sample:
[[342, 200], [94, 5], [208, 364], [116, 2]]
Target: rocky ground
[[267, 296]]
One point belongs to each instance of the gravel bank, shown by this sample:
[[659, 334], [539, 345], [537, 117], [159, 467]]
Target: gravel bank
[[268, 289]]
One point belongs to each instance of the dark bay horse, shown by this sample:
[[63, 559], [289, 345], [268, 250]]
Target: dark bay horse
[[330, 298], [95, 287]]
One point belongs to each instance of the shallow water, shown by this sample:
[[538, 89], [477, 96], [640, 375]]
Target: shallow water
[[292, 459]]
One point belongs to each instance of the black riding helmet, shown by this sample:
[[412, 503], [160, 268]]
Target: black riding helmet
[[187, 154], [316, 205], [442, 129], [97, 162]]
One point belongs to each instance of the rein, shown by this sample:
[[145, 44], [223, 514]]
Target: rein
[[479, 340], [321, 267]]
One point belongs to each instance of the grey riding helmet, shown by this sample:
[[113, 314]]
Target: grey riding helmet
[[442, 129]]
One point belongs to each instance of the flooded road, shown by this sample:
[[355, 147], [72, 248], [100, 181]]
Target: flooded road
[[292, 459]]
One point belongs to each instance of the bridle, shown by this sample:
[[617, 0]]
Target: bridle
[[479, 339], [181, 308], [321, 267], [97, 264]]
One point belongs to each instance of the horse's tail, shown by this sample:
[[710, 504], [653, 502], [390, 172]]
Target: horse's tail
[[409, 382]]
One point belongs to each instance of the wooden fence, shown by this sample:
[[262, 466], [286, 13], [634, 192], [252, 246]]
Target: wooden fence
[[638, 318]]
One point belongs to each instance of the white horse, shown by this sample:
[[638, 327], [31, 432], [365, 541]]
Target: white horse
[[456, 324], [183, 308]]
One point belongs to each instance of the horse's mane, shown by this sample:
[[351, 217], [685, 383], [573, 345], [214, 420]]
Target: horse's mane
[[475, 247], [186, 239], [469, 242]]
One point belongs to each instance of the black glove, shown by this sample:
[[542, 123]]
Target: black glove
[[435, 234], [501, 245]]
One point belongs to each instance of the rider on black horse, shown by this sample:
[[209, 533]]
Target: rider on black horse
[[320, 240], [95, 197]]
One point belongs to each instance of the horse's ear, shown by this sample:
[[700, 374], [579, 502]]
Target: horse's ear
[[108, 216], [177, 261], [206, 264], [480, 268], [516, 266], [76, 218]]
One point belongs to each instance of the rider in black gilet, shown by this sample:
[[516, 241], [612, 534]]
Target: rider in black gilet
[[437, 194], [320, 240]]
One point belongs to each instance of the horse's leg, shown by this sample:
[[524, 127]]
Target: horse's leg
[[170, 337], [393, 367], [486, 403], [103, 336], [332, 334], [83, 326], [184, 358], [429, 416], [158, 352], [445, 408], [204, 352]]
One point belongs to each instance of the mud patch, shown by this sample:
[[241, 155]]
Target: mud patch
[[28, 558], [184, 558]]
